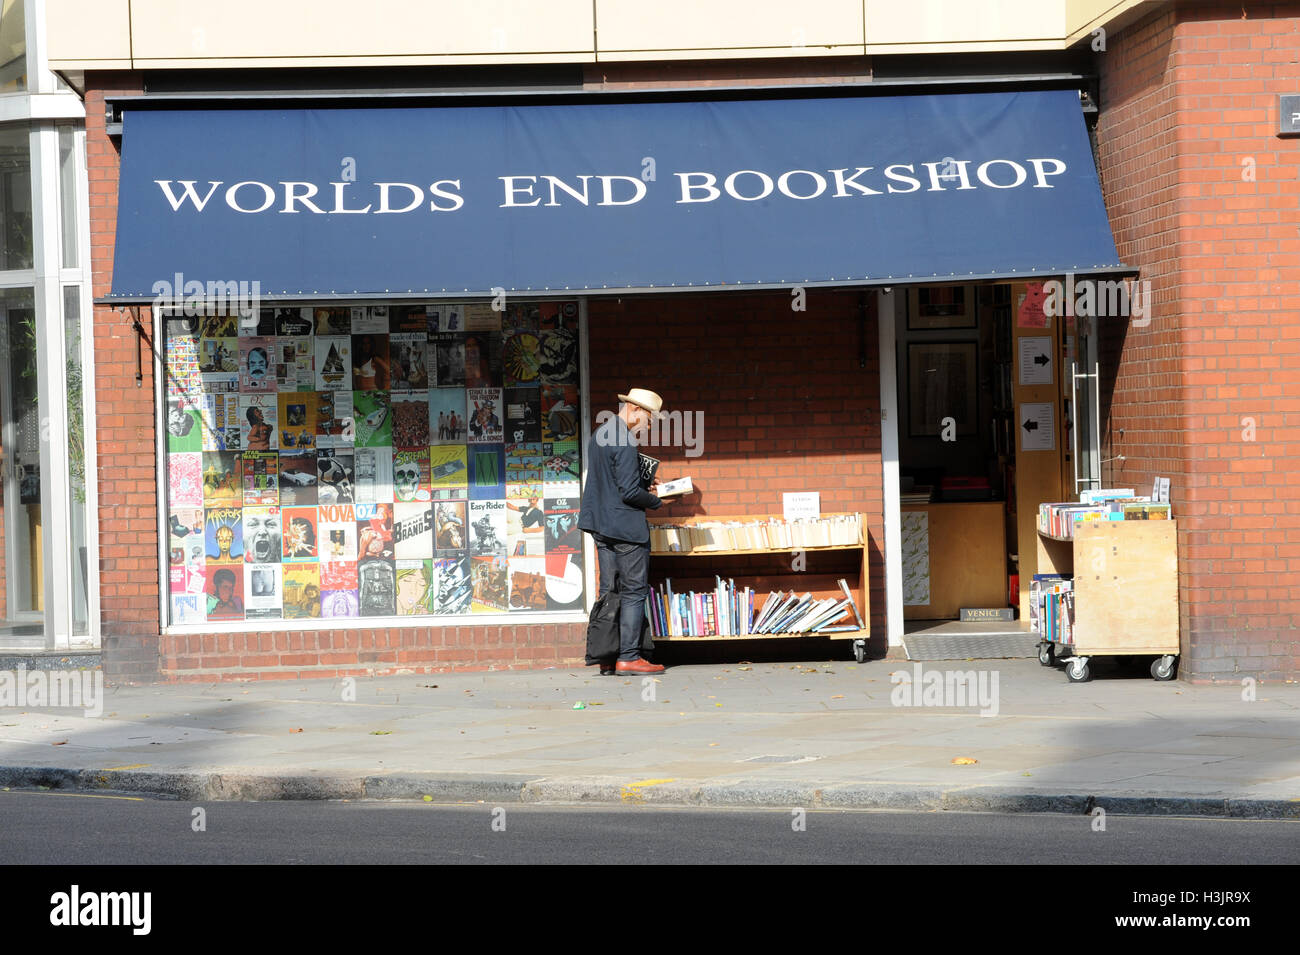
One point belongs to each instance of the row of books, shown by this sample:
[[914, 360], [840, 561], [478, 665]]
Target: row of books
[[768, 534], [1051, 607], [729, 611], [1060, 520]]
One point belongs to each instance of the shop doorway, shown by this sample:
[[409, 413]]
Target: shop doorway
[[987, 387], [22, 549]]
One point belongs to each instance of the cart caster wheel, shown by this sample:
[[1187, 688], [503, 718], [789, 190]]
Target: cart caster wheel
[[1164, 668], [859, 651], [1046, 654], [1077, 671]]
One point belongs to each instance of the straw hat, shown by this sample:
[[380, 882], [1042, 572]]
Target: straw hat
[[644, 398]]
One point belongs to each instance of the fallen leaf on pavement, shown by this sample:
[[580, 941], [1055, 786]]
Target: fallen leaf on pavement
[[298, 730], [964, 761], [62, 742], [381, 732]]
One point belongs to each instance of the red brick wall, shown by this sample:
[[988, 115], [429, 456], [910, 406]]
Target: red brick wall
[[787, 403], [1188, 109]]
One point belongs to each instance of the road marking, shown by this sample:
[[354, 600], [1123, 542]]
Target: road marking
[[631, 792], [43, 792]]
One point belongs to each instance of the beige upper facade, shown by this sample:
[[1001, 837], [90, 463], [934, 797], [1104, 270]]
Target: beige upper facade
[[199, 34]]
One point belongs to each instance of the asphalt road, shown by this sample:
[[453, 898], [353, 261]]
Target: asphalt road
[[51, 827]]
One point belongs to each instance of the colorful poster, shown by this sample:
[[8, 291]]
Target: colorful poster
[[335, 427], [298, 413], [374, 531], [189, 608], [219, 364], [486, 471], [560, 413], [302, 594], [407, 320], [298, 478], [444, 317], [411, 477], [225, 594], [369, 318], [223, 535], [447, 416], [558, 364], [335, 320], [184, 423], [295, 364], [562, 534], [527, 583], [370, 371], [262, 535], [523, 415], [221, 478], [448, 471], [183, 376], [300, 536], [260, 412], [521, 357], [563, 581], [484, 413], [487, 521], [453, 589], [414, 586], [560, 465], [378, 587], [263, 592], [222, 425], [374, 419], [185, 479], [337, 533], [447, 356], [185, 547], [410, 419], [374, 475], [483, 359], [523, 467], [525, 528], [333, 362], [482, 317], [409, 361], [256, 361], [218, 326], [449, 527], [293, 321], [491, 584], [412, 530], [335, 478], [339, 603], [261, 478]]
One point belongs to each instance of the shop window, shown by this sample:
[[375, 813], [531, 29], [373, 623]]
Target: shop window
[[373, 461], [15, 199]]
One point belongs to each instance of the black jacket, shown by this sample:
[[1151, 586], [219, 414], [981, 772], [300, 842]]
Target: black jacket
[[614, 502]]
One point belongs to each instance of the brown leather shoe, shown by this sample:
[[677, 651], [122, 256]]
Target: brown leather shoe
[[637, 666]]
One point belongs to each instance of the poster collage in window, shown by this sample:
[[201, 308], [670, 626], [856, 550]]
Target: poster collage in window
[[368, 461]]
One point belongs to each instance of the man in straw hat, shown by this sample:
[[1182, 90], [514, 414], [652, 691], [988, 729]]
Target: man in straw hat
[[614, 503]]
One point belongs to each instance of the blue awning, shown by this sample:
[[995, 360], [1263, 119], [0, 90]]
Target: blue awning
[[453, 200]]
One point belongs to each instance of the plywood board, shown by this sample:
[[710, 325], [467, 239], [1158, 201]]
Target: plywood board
[[967, 558], [1126, 587]]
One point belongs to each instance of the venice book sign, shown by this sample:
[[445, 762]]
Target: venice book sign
[[463, 200]]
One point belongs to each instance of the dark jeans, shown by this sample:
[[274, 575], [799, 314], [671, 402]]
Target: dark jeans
[[629, 564]]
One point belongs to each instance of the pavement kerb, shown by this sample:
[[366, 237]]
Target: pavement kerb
[[755, 793]]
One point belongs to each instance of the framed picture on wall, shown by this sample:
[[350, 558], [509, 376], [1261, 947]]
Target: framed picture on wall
[[941, 306], [942, 382]]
